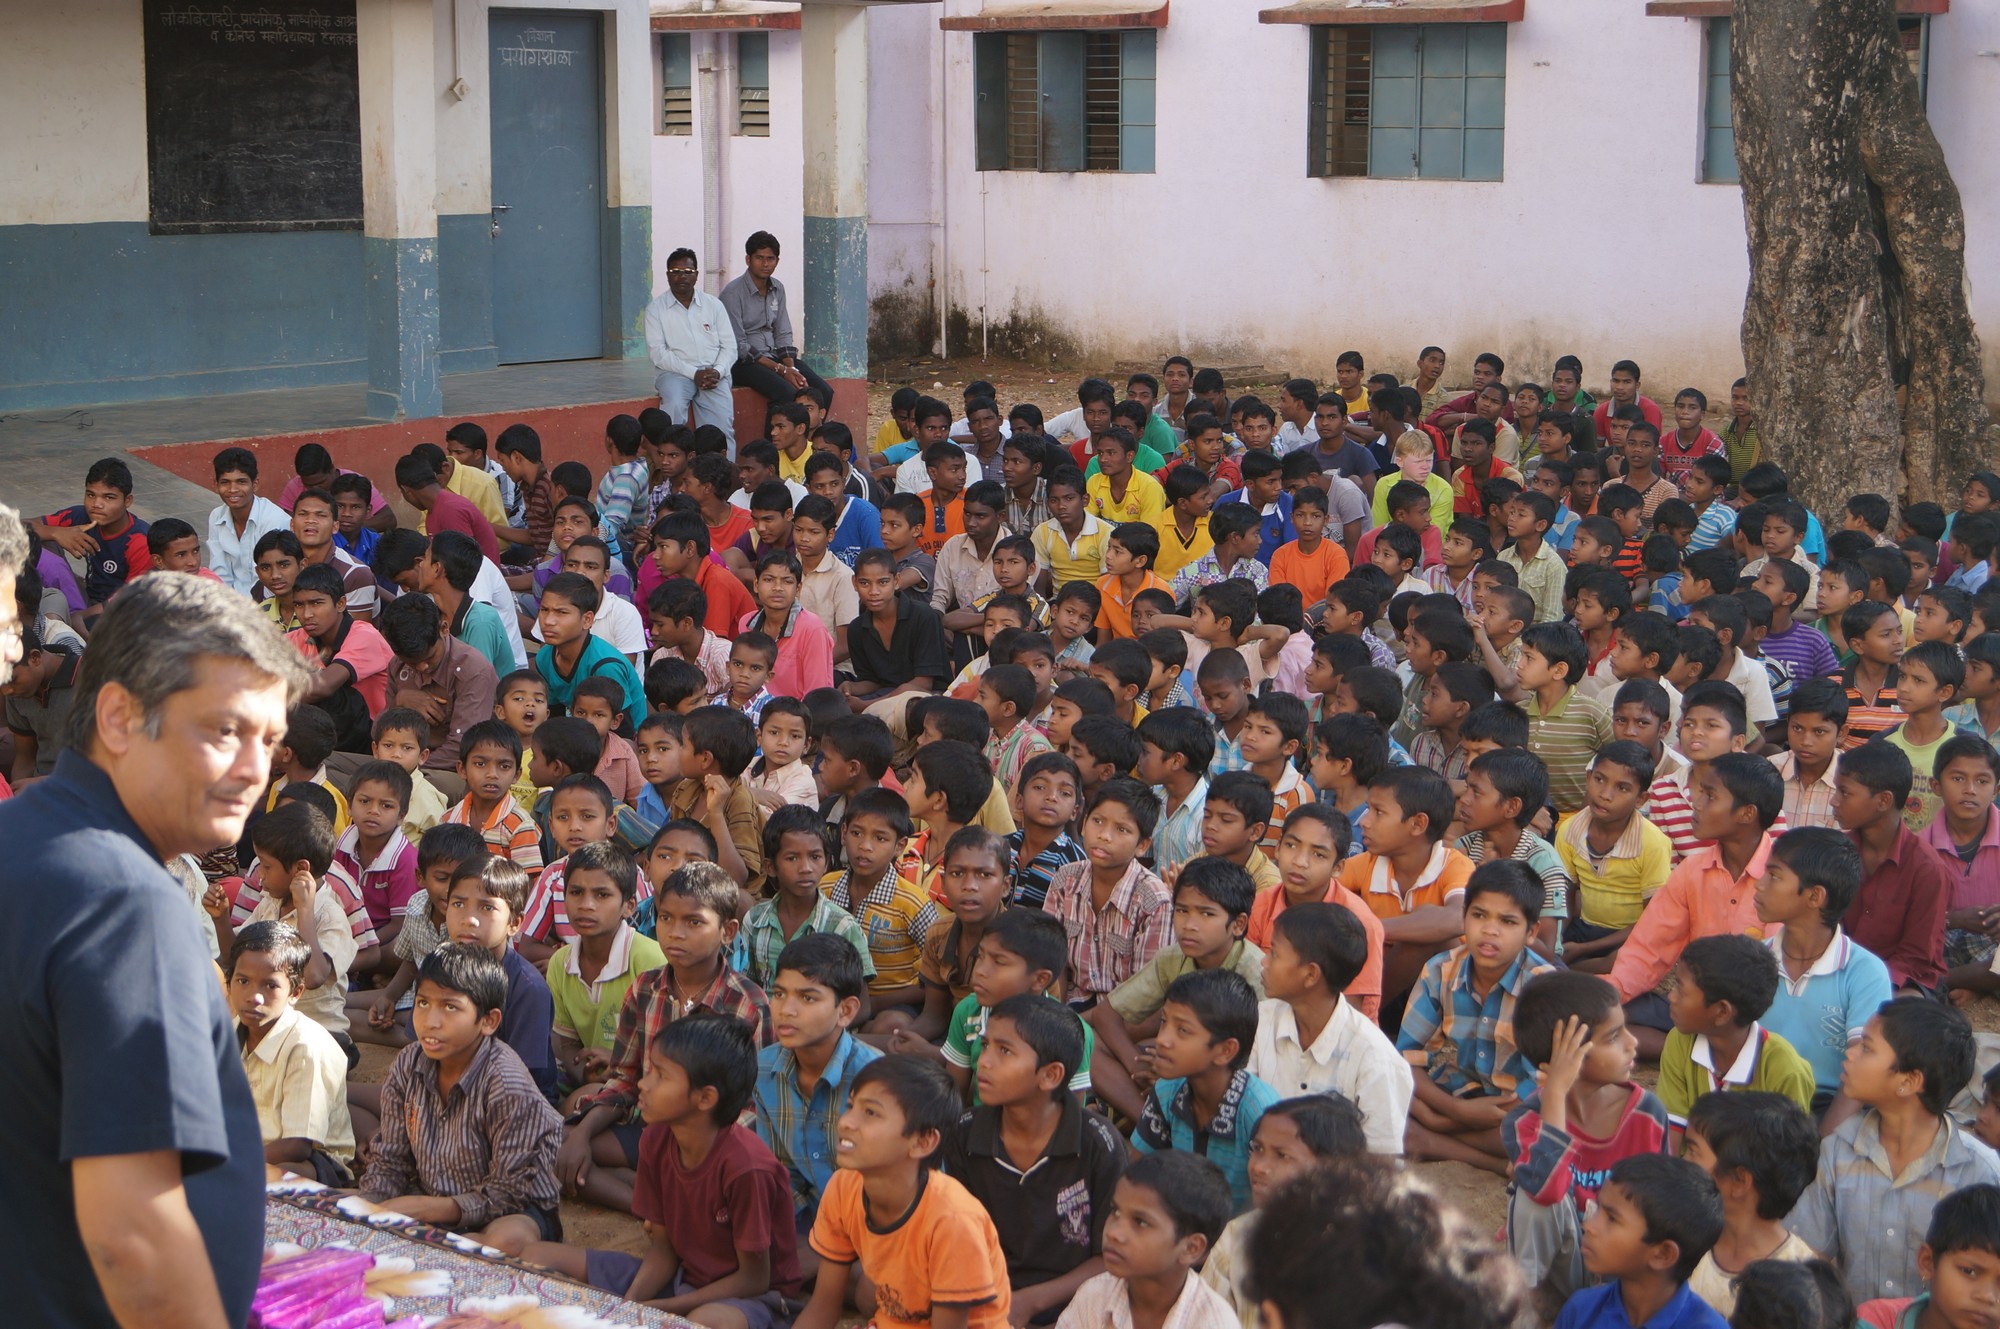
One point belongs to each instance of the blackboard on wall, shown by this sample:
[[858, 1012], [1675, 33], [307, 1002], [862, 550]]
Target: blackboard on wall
[[253, 116]]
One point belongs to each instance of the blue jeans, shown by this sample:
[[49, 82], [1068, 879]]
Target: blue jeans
[[689, 405]]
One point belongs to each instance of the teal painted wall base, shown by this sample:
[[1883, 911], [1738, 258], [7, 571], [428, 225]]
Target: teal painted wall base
[[836, 293], [403, 341], [628, 280]]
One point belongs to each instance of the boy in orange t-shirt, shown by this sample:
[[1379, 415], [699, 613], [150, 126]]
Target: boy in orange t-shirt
[[1312, 562], [1410, 879], [1128, 570], [944, 1252], [1308, 857]]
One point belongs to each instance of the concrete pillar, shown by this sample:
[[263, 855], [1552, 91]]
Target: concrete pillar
[[835, 114], [399, 192]]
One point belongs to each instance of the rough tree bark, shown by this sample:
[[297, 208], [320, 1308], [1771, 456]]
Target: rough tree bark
[[1859, 340]]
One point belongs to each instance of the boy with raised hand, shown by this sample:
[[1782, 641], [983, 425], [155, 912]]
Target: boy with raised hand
[[1206, 1100], [1828, 986], [1583, 1115], [1505, 790], [1723, 985], [1212, 902], [1409, 876], [1712, 892], [466, 1140], [297, 1072], [1713, 725], [1166, 1213], [1458, 1029], [929, 1255], [805, 1075], [1762, 1152], [1655, 1219], [1900, 909], [1309, 1039], [1886, 1168], [697, 910], [714, 1200], [590, 973]]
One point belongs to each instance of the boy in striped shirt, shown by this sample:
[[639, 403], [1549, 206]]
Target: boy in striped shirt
[[1565, 728], [490, 754], [1713, 721]]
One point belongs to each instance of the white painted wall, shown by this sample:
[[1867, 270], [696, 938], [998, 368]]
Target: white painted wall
[[906, 198], [1964, 106], [73, 85], [762, 183]]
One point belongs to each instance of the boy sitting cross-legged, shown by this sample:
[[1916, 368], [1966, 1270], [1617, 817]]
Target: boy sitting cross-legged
[[697, 928], [589, 975], [804, 1075], [1167, 1211], [716, 1203], [297, 1072], [927, 1254], [483, 908], [1655, 1219], [1040, 1163], [1584, 1114], [1723, 984], [1212, 901], [1887, 1167], [1458, 1029], [1410, 877], [1294, 1136], [1206, 1101], [1762, 1151], [1309, 1039], [467, 1139]]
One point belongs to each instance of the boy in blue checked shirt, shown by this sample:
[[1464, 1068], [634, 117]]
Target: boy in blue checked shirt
[[1205, 1101], [803, 1077], [1458, 1028]]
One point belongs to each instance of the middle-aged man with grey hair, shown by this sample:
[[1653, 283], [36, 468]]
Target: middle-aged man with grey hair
[[133, 1191]]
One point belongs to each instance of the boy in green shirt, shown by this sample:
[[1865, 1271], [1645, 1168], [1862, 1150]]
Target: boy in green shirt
[[1023, 950], [589, 976]]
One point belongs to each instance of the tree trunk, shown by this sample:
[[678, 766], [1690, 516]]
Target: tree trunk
[[1862, 356]]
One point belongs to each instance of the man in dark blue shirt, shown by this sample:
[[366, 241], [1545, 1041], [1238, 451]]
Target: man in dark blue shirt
[[133, 1191]]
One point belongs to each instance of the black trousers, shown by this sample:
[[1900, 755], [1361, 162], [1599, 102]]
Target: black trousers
[[749, 374]]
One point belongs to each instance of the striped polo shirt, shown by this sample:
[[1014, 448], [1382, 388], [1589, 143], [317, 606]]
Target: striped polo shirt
[[1566, 739]]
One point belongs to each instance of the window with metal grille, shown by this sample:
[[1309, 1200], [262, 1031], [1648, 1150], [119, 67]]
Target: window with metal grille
[[1718, 128], [1064, 101], [676, 83], [1417, 101], [753, 84]]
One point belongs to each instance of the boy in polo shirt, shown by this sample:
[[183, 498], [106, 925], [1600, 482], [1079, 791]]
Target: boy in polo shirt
[[1711, 893], [1458, 1029], [1828, 986], [1121, 493], [1529, 515], [374, 854], [102, 531], [1409, 877], [1616, 857], [1725, 983], [589, 975], [1212, 901], [490, 756], [1070, 544], [1311, 847], [1021, 953], [1713, 724], [1042, 1166]]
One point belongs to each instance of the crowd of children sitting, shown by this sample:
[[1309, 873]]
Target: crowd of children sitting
[[978, 878]]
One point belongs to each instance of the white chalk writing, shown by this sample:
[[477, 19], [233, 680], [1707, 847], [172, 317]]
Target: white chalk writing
[[535, 55], [265, 26]]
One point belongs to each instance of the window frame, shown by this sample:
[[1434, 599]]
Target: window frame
[[665, 117], [752, 56], [1428, 92], [1093, 94]]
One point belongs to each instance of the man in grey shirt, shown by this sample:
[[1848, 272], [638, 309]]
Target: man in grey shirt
[[769, 361]]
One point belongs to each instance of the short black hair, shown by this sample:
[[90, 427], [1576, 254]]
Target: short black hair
[[292, 833], [1376, 691], [1028, 933], [862, 738], [1933, 1039], [1516, 773], [570, 742], [1966, 1220], [386, 773], [1327, 935], [1291, 715], [956, 719], [1137, 799], [1499, 722], [671, 680], [471, 970], [1766, 1135], [920, 1087], [827, 960], [1512, 879], [1678, 1200], [1362, 740], [1225, 883], [1106, 738], [1245, 791], [959, 772], [280, 941], [886, 804], [1624, 752], [448, 842], [1559, 644], [1329, 1123], [1792, 1294], [1722, 697], [1404, 1255], [1824, 857], [310, 734], [1051, 1029], [1192, 1190], [1752, 780], [715, 1051], [495, 734], [1223, 1002], [1822, 697], [1880, 767], [1734, 968], [1183, 730], [1420, 790], [723, 733], [1548, 1000]]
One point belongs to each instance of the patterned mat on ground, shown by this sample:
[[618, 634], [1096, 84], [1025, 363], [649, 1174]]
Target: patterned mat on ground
[[423, 1270]]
